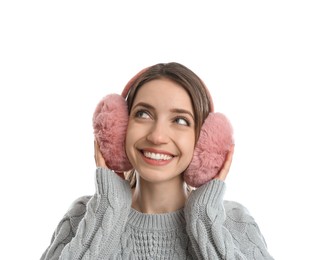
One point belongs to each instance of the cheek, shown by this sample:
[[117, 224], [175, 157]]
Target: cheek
[[188, 145]]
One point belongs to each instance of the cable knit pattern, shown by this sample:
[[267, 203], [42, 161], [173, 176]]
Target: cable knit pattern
[[219, 234], [66, 229], [207, 228], [157, 236], [97, 236]]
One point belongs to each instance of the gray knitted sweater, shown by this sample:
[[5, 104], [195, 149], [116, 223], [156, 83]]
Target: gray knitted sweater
[[105, 226]]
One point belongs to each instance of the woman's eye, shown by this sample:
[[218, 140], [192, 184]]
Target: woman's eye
[[142, 114], [182, 121]]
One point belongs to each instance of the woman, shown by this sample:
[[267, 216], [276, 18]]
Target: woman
[[154, 214]]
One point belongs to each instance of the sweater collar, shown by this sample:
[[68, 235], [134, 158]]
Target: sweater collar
[[163, 221]]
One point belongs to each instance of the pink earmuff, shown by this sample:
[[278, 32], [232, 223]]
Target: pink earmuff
[[215, 141], [110, 121]]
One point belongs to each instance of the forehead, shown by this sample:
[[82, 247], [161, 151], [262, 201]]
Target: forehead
[[165, 91]]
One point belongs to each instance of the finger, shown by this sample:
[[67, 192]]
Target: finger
[[226, 167], [97, 154], [94, 151], [99, 160]]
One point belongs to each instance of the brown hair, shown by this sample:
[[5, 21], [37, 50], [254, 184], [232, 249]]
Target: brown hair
[[178, 73]]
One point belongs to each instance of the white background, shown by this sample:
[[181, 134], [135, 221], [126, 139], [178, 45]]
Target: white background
[[59, 58]]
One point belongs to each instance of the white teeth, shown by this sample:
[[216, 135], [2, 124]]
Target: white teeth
[[157, 156]]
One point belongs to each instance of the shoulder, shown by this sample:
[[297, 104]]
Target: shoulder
[[77, 211], [241, 224], [244, 230], [236, 212], [78, 206]]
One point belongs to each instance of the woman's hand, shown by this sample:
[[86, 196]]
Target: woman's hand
[[224, 171], [99, 160]]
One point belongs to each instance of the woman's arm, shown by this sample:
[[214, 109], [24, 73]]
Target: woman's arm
[[66, 229], [99, 231], [107, 212], [219, 234]]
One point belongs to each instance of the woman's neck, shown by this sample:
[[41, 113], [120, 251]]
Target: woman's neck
[[154, 198]]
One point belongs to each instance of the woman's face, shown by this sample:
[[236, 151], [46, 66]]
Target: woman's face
[[160, 137]]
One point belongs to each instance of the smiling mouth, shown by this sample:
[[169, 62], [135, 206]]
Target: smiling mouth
[[157, 156]]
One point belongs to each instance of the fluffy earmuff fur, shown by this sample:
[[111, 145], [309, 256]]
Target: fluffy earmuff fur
[[215, 141], [110, 122]]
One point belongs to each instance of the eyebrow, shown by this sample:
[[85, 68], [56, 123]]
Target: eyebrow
[[182, 111], [174, 110]]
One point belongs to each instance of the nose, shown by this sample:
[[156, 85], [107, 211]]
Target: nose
[[158, 133]]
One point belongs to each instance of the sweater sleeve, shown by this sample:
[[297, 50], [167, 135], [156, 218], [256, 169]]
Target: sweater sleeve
[[66, 229], [219, 234], [93, 224], [100, 230]]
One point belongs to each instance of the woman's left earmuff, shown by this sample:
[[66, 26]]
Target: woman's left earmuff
[[213, 145]]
